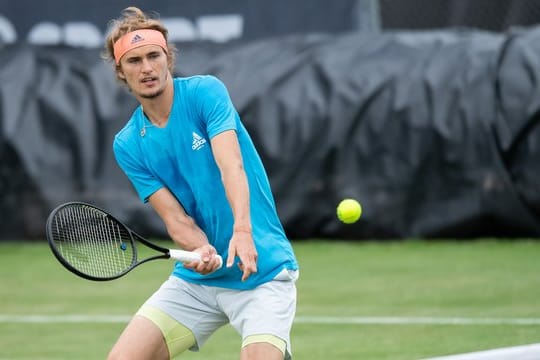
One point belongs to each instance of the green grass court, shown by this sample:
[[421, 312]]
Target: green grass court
[[356, 300]]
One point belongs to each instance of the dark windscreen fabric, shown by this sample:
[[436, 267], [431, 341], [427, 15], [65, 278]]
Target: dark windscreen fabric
[[435, 133]]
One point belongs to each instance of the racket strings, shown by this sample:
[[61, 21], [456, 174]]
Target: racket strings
[[92, 242]]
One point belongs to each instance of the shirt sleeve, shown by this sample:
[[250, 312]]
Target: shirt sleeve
[[215, 106], [144, 182]]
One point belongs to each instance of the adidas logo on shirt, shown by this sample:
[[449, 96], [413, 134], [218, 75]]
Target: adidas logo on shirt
[[198, 141]]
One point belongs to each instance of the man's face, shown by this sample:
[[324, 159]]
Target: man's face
[[145, 70]]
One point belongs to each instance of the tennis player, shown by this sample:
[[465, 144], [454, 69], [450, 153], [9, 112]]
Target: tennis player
[[187, 153]]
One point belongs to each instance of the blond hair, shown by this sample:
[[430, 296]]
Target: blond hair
[[131, 19]]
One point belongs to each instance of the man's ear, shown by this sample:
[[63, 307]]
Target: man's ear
[[120, 73]]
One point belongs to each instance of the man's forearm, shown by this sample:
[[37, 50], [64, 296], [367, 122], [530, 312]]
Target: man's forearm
[[186, 234]]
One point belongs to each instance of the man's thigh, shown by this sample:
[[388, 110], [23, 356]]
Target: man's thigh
[[141, 339], [266, 312], [191, 305]]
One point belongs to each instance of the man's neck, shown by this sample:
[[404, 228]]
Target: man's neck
[[158, 109]]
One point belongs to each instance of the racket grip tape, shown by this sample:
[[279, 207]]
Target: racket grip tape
[[188, 256]]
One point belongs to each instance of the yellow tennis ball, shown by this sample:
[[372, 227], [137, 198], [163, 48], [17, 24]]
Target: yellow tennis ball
[[349, 211]]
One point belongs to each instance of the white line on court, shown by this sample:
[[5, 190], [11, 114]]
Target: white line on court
[[47, 319], [407, 320], [523, 352], [527, 352], [318, 320]]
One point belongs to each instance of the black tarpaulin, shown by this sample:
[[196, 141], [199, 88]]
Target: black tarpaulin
[[435, 133]]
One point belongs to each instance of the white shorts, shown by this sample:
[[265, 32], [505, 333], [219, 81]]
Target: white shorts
[[268, 309]]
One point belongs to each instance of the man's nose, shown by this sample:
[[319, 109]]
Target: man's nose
[[146, 65]]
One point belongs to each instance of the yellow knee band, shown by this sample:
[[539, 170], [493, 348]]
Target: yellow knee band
[[178, 337], [266, 338]]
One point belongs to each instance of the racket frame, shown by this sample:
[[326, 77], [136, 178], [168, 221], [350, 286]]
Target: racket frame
[[133, 237]]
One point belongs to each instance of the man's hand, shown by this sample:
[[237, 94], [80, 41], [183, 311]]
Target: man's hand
[[241, 245], [209, 261]]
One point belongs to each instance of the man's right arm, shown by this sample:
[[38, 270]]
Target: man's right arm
[[183, 230]]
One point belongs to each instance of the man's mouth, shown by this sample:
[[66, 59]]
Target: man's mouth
[[148, 80]]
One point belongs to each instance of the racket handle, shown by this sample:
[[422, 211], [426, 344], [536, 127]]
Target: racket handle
[[187, 256]]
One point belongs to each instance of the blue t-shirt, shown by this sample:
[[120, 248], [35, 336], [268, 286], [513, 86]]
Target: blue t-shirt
[[179, 157]]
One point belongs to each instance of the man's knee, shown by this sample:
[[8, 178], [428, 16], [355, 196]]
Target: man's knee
[[263, 345], [177, 337], [141, 339]]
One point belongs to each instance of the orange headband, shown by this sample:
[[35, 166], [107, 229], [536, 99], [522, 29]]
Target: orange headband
[[138, 38]]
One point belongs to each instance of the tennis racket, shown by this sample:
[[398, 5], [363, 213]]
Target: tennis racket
[[93, 244]]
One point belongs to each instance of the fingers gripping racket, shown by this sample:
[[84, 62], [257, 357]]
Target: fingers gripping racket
[[93, 244]]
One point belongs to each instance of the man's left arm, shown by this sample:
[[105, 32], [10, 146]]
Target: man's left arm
[[226, 150]]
